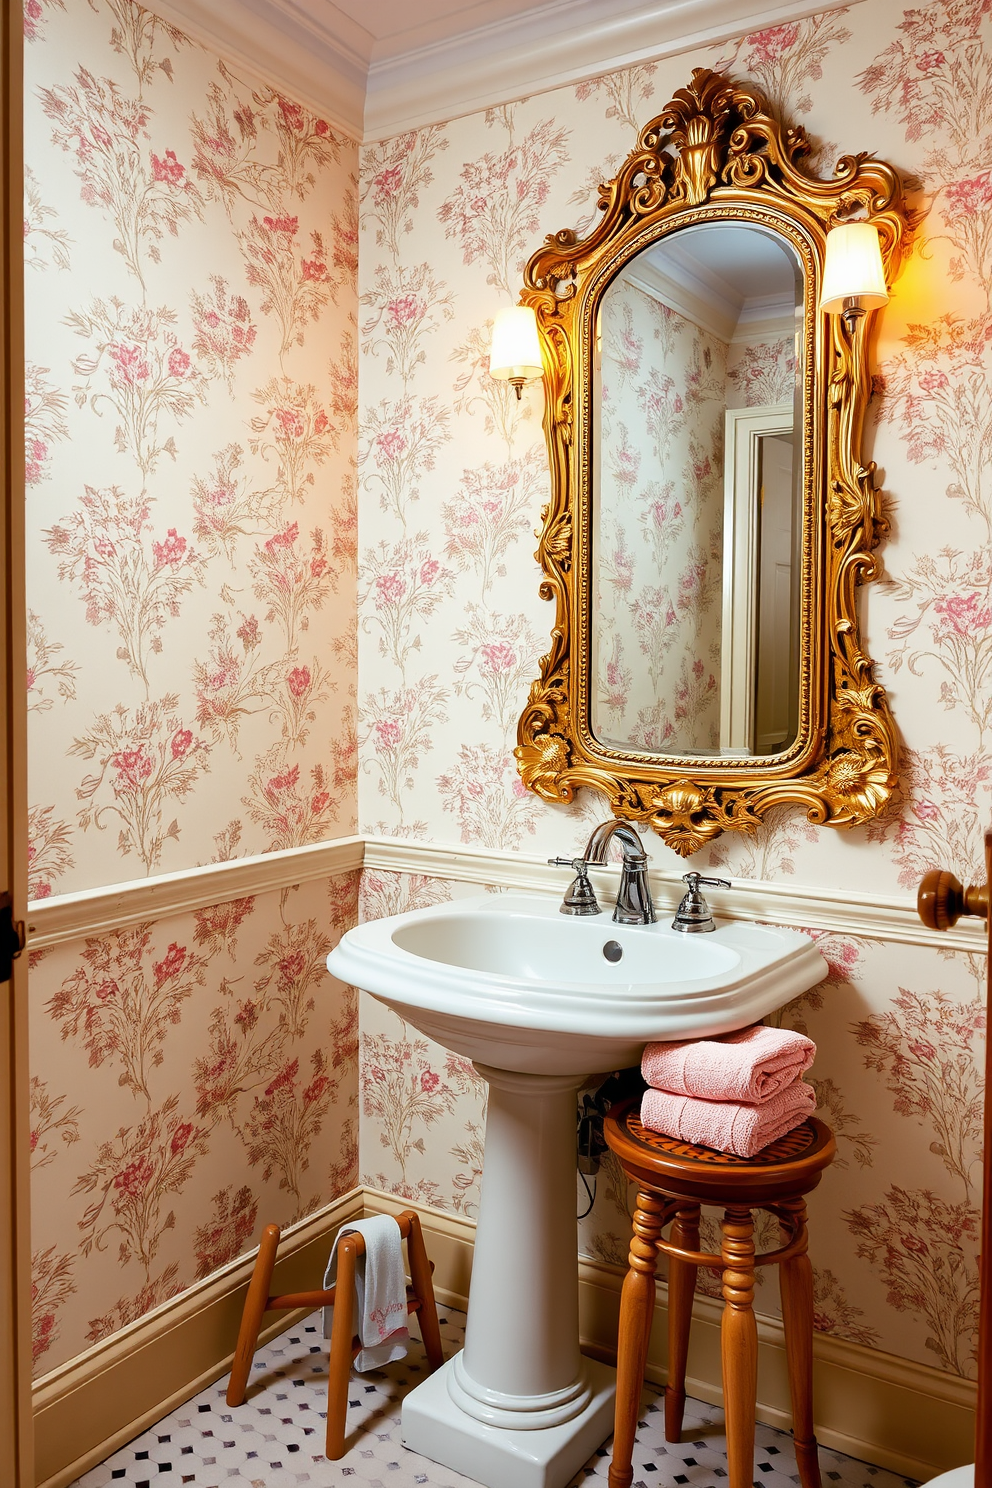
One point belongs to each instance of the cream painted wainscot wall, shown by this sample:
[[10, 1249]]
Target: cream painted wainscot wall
[[894, 1411]]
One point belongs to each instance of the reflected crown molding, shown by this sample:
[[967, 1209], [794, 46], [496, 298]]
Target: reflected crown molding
[[697, 295], [371, 86]]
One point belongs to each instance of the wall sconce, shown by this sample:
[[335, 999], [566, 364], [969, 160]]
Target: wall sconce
[[853, 276], [516, 350]]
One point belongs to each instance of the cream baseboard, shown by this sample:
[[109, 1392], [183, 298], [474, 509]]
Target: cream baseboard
[[103, 1398], [902, 1416], [899, 1415], [97, 911]]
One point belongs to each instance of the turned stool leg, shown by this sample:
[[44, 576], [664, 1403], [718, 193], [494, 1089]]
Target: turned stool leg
[[739, 1344], [681, 1288], [341, 1355], [251, 1318], [796, 1277], [636, 1312], [423, 1288]]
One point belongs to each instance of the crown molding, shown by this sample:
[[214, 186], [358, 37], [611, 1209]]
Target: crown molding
[[551, 47], [366, 88], [310, 52]]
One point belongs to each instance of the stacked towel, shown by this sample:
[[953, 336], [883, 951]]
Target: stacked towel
[[735, 1094]]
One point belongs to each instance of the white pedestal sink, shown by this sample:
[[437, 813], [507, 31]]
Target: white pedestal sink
[[529, 996]]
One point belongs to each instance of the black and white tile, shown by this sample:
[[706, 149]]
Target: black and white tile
[[276, 1439]]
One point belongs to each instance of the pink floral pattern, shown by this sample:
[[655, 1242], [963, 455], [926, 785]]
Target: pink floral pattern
[[178, 419], [657, 645], [191, 661], [139, 1193], [787, 60], [448, 215], [200, 359]]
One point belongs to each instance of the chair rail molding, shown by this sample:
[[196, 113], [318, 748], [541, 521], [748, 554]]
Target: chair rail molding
[[98, 911], [874, 916], [68, 917]]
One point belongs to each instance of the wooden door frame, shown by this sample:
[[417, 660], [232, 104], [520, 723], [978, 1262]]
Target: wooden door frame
[[983, 1417], [16, 1435]]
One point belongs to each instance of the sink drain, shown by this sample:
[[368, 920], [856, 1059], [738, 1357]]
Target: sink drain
[[613, 950]]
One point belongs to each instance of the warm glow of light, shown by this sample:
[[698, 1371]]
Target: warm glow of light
[[516, 348], [853, 269]]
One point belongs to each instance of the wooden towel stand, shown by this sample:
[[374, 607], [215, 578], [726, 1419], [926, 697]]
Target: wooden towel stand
[[345, 1344]]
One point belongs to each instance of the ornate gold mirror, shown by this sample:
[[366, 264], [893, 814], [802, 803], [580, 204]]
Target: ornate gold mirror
[[711, 517]]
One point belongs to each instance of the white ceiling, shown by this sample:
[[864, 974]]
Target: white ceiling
[[377, 67]]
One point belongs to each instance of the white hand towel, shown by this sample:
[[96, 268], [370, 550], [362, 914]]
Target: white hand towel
[[380, 1292]]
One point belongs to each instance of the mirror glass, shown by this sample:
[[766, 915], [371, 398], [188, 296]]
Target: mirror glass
[[697, 496]]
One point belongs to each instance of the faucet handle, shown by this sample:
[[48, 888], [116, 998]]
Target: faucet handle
[[693, 914], [695, 879], [580, 897]]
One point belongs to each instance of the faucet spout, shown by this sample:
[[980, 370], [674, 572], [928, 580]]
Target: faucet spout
[[634, 904]]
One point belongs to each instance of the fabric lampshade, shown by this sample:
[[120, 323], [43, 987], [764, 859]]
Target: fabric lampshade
[[853, 269], [516, 348]]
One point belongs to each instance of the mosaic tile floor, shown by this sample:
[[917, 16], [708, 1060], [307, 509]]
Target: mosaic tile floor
[[275, 1440]]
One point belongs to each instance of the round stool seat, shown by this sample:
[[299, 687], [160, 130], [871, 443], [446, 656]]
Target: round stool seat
[[785, 1169], [674, 1179]]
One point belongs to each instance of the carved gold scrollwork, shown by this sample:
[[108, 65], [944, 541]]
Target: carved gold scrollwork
[[716, 152], [697, 121]]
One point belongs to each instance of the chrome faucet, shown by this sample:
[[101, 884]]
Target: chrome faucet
[[634, 906], [693, 914]]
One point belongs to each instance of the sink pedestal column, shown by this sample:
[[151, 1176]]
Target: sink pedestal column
[[520, 1407]]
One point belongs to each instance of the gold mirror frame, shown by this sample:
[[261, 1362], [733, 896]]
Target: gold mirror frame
[[716, 153]]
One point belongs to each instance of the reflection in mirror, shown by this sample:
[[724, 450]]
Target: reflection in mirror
[[696, 508]]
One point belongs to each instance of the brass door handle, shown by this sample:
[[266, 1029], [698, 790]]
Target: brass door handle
[[942, 900]]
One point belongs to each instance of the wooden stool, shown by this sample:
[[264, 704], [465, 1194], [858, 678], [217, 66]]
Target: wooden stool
[[674, 1179], [344, 1344]]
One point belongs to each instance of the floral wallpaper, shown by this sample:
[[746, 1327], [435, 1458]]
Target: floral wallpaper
[[192, 408], [659, 526], [191, 258], [193, 1079], [452, 477]]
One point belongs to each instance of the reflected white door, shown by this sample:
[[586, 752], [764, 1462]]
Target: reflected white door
[[774, 725]]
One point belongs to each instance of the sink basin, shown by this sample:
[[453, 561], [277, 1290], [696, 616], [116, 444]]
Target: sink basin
[[507, 980], [540, 1000]]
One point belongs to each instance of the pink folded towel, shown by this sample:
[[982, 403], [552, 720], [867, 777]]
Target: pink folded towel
[[728, 1126], [751, 1065]]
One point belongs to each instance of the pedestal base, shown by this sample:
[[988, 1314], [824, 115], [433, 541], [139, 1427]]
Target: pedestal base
[[499, 1458]]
